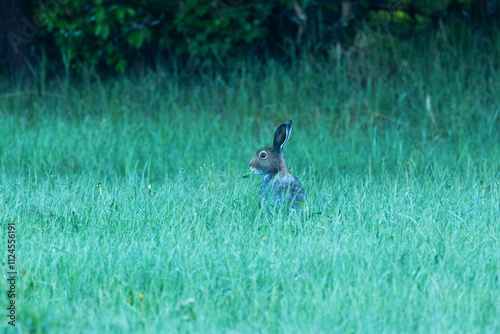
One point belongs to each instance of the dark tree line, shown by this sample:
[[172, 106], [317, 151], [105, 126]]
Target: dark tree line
[[96, 34]]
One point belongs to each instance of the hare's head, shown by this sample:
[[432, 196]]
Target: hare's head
[[270, 160]]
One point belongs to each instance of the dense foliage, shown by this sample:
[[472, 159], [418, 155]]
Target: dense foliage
[[112, 34]]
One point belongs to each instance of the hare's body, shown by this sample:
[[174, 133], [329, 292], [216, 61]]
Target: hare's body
[[278, 187], [278, 183]]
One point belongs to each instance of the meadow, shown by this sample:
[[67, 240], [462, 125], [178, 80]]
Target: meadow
[[132, 214]]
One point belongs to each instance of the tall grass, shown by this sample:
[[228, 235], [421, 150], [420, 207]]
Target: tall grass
[[133, 217]]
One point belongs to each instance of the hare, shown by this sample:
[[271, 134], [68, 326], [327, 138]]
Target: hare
[[278, 183]]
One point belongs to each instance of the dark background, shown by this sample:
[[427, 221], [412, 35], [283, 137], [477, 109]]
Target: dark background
[[109, 37]]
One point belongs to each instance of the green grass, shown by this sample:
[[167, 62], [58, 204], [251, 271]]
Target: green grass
[[403, 168]]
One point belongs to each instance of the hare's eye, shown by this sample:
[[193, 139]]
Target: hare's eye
[[263, 155]]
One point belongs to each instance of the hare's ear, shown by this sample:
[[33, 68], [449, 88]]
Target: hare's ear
[[282, 135]]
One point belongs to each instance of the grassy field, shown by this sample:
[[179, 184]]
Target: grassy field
[[132, 214]]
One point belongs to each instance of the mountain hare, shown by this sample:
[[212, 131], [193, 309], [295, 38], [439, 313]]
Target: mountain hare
[[278, 183]]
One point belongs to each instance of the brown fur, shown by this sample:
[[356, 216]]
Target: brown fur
[[278, 183]]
